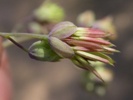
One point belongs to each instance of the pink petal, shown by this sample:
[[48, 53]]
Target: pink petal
[[85, 44], [95, 40]]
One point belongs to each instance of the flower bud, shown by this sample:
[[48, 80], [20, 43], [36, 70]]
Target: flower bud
[[79, 44], [50, 12], [86, 18], [42, 51]]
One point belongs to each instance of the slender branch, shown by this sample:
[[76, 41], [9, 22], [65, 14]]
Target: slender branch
[[28, 35], [17, 44], [7, 43]]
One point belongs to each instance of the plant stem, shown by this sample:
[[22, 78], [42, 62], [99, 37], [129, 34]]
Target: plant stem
[[27, 35], [7, 43], [17, 44]]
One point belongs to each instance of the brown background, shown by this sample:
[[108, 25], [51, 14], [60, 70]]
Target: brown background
[[34, 80]]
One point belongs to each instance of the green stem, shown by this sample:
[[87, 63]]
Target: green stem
[[28, 35], [17, 44], [7, 43]]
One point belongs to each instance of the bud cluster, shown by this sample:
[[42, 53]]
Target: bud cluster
[[79, 44]]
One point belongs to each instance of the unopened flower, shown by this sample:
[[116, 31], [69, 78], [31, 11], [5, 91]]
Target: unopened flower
[[42, 51], [49, 12], [86, 18], [81, 45]]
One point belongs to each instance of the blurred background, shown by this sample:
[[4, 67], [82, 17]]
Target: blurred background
[[35, 80]]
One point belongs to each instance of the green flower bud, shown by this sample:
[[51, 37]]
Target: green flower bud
[[50, 12], [42, 51]]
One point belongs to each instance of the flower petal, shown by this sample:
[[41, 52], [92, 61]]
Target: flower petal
[[91, 32], [91, 56], [61, 48], [94, 40], [110, 49], [111, 61], [80, 48], [85, 44], [82, 63], [63, 30]]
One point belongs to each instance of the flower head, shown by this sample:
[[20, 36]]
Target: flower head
[[81, 45]]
